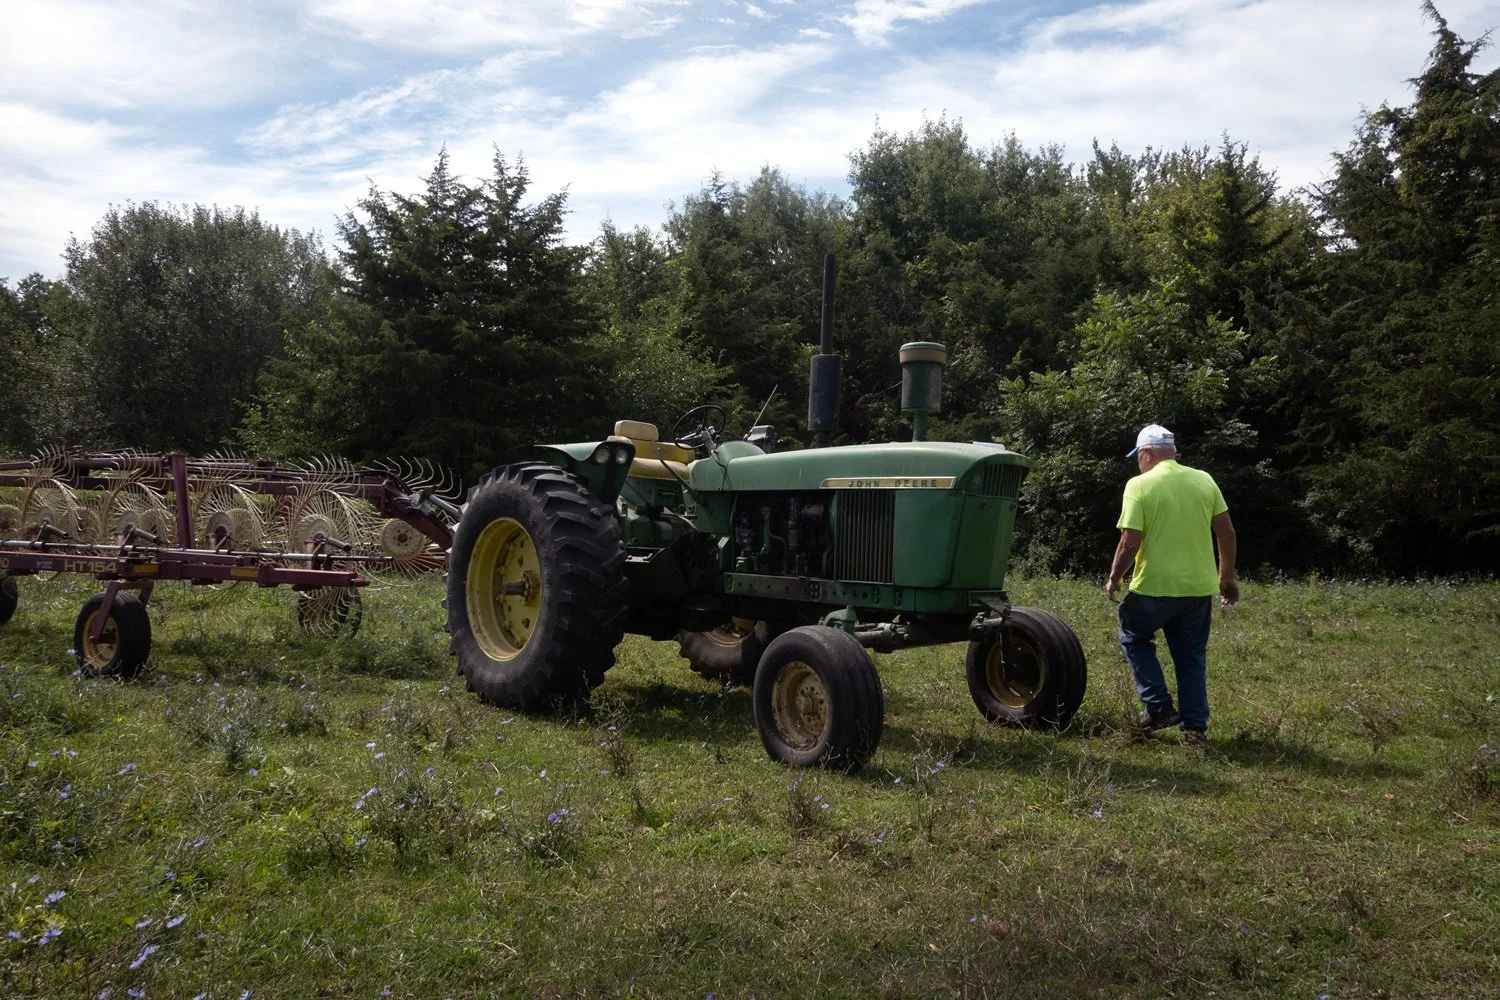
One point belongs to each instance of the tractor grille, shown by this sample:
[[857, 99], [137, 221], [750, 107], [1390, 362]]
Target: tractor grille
[[866, 543], [1001, 481]]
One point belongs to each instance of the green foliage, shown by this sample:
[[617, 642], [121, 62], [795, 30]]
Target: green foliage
[[1327, 355], [745, 272], [460, 335], [654, 373], [45, 396], [178, 312], [1412, 477], [990, 252], [1144, 359]]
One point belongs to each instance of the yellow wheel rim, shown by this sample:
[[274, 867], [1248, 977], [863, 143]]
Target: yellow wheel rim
[[733, 634], [799, 704], [1016, 679], [503, 589], [99, 655]]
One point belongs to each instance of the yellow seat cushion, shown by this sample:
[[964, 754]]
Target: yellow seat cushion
[[649, 448], [653, 468], [636, 430]]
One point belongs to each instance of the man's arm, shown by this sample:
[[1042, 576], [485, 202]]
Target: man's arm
[[1130, 544], [1229, 588]]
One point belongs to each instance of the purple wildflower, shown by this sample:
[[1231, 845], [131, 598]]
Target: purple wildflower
[[140, 959], [54, 896]]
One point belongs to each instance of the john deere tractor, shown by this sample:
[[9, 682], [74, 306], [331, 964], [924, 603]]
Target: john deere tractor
[[778, 570]]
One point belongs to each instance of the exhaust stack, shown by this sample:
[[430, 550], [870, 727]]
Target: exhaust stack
[[922, 383], [823, 378]]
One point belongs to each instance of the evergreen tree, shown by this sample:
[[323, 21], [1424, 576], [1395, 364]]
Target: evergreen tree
[[1402, 444], [461, 333]]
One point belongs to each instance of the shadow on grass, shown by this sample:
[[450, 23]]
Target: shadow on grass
[[1036, 754], [659, 712], [1249, 751]]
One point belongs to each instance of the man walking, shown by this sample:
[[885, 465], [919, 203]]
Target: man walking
[[1169, 521]]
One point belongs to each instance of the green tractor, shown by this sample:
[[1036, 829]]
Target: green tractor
[[779, 571]]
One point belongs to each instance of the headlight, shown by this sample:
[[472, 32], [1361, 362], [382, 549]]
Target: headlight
[[600, 455], [622, 456]]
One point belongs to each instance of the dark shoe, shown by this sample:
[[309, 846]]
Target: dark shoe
[[1195, 737], [1165, 719]]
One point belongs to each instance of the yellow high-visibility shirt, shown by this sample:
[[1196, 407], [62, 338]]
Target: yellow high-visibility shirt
[[1173, 507]]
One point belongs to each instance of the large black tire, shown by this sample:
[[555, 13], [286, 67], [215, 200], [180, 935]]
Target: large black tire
[[817, 700], [536, 588], [122, 650], [330, 611], [729, 654], [1036, 679], [9, 597]]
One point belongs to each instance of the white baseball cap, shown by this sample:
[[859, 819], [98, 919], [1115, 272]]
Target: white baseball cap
[[1151, 436]]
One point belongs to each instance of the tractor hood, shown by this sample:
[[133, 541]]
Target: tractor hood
[[942, 465]]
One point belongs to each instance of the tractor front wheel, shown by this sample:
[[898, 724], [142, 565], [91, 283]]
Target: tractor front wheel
[[728, 654], [1032, 673], [817, 700], [536, 588], [124, 644], [9, 597]]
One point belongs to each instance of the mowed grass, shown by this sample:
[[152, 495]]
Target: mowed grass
[[301, 817]]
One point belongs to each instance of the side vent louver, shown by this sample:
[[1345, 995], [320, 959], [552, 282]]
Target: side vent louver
[[1001, 481], [866, 543]]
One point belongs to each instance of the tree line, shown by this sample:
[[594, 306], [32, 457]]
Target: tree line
[[1328, 354]]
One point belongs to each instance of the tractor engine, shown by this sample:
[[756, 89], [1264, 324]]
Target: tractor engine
[[784, 534]]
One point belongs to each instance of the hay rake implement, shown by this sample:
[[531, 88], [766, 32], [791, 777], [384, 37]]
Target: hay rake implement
[[131, 520]]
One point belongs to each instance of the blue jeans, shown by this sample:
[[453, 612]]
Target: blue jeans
[[1184, 622]]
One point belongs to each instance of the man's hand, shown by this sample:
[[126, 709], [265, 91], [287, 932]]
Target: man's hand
[[1129, 545], [1229, 592], [1229, 588]]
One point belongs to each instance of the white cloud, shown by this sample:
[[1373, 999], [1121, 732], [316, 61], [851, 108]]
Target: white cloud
[[1289, 78], [162, 53], [475, 25], [760, 12], [872, 21], [416, 114]]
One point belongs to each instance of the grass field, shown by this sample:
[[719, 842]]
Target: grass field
[[264, 814]]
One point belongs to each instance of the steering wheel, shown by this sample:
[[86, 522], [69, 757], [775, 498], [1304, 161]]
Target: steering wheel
[[705, 432]]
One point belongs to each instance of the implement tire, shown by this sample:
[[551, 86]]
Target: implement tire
[[817, 700], [536, 589], [728, 654], [10, 596], [122, 650], [1035, 678]]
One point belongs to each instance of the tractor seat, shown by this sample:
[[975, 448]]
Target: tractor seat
[[654, 459]]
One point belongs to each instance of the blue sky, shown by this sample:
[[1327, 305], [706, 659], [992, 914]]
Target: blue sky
[[295, 107]]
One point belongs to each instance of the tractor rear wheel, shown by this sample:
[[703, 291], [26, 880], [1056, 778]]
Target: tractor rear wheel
[[1032, 674], [728, 654], [122, 648], [9, 597], [536, 591], [817, 700]]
